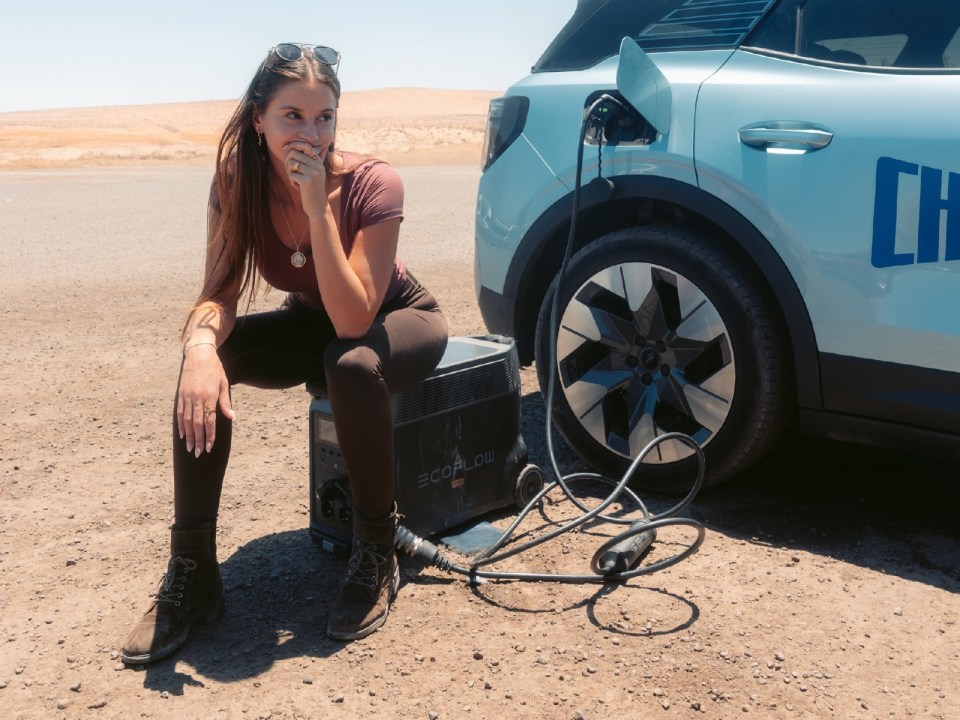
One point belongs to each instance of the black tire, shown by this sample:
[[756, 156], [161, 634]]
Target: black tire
[[691, 343]]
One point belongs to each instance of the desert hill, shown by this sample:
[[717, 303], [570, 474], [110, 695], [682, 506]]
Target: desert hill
[[406, 126]]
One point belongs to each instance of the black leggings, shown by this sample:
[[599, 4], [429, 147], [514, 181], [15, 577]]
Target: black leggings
[[296, 344]]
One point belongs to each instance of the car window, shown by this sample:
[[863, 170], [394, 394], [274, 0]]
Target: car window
[[951, 56], [873, 33], [598, 26]]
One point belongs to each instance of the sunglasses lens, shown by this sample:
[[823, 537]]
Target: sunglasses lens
[[289, 52], [326, 55]]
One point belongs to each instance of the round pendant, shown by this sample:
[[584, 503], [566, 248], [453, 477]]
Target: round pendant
[[298, 259]]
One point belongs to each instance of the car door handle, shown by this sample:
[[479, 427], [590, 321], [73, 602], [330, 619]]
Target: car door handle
[[786, 137]]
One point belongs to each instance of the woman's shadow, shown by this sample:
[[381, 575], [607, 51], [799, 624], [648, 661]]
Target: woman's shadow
[[278, 590]]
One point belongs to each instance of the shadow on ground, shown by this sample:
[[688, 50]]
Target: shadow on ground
[[278, 590], [891, 511]]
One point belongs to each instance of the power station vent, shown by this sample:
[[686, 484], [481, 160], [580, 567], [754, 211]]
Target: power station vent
[[460, 388]]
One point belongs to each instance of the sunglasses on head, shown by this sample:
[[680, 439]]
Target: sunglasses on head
[[294, 51]]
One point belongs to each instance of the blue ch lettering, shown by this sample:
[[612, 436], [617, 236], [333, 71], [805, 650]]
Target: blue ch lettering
[[885, 213], [932, 204]]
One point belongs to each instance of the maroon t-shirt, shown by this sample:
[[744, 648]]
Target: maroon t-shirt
[[371, 193]]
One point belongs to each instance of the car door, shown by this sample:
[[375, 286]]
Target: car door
[[835, 132]]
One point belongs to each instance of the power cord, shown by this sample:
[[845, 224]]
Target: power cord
[[614, 561]]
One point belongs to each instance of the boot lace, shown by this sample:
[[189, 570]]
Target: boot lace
[[175, 580], [364, 566]]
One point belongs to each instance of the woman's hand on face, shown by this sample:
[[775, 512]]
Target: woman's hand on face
[[306, 170], [203, 386]]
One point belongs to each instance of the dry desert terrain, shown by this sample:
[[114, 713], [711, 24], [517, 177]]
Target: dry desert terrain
[[827, 586]]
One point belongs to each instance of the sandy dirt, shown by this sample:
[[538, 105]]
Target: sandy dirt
[[827, 586]]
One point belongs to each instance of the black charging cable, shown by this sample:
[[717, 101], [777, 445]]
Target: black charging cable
[[615, 560]]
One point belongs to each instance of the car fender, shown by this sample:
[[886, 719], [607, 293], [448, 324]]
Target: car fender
[[550, 229]]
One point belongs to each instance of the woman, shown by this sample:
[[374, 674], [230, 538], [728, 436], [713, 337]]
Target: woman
[[323, 225]]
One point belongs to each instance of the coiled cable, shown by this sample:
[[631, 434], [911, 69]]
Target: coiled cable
[[615, 559]]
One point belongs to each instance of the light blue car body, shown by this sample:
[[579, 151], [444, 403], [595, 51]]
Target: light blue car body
[[838, 180], [868, 225]]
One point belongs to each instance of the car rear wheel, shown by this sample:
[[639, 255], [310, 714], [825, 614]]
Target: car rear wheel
[[662, 331]]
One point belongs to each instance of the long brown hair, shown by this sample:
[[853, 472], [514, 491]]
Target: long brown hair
[[242, 176]]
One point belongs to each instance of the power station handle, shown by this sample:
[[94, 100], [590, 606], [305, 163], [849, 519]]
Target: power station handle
[[621, 557]]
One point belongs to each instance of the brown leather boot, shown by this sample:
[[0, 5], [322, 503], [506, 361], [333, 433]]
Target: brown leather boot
[[191, 591], [373, 577]]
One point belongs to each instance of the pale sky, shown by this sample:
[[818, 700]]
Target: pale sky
[[82, 53]]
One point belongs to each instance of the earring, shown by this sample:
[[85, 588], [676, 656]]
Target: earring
[[259, 139]]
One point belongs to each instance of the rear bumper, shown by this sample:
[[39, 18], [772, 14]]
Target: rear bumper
[[499, 312]]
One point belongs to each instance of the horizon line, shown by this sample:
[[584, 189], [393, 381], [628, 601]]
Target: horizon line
[[105, 106]]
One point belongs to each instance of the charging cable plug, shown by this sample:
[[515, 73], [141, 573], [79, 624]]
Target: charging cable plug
[[611, 109], [622, 555], [424, 550]]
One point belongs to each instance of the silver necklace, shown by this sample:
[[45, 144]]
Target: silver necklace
[[298, 259]]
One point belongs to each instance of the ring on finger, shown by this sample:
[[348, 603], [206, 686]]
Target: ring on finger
[[209, 411]]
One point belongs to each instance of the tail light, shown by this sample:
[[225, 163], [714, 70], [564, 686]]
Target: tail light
[[505, 120]]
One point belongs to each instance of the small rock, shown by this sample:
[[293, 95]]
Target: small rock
[[779, 656], [898, 611], [665, 704], [76, 686], [98, 704], [433, 715], [71, 563], [695, 705], [477, 655], [488, 685], [62, 704], [165, 694], [308, 680], [591, 669], [338, 698]]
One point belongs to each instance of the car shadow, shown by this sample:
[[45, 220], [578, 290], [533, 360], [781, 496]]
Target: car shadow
[[887, 510], [890, 511]]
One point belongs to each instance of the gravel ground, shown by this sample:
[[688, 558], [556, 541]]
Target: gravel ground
[[826, 587]]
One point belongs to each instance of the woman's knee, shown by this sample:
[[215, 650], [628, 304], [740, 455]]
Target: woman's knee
[[350, 361]]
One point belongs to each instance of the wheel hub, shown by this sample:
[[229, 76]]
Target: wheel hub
[[642, 351], [649, 358]]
